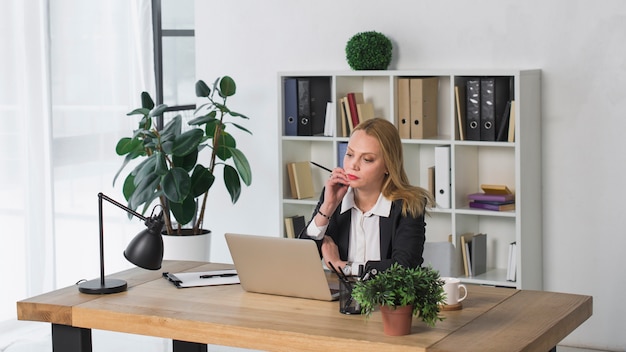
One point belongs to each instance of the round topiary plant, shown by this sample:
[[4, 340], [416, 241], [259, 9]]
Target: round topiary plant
[[368, 51]]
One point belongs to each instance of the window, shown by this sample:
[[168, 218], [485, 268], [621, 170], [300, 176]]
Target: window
[[174, 52]]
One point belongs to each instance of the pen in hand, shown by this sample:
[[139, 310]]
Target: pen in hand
[[320, 166], [217, 275]]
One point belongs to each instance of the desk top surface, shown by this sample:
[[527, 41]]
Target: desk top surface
[[492, 319]]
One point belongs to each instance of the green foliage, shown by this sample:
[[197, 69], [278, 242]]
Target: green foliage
[[369, 51], [170, 170], [400, 286]]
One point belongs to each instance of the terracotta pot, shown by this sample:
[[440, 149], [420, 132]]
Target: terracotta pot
[[397, 320]]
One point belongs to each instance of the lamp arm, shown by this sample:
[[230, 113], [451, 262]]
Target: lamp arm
[[102, 196], [120, 205], [145, 250]]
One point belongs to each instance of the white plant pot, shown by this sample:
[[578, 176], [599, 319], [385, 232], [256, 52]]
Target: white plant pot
[[195, 248]]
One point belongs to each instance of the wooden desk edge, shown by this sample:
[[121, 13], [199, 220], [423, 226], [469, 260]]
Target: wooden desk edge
[[56, 306]]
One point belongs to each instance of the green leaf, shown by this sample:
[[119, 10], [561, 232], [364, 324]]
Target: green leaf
[[227, 87], [231, 180], [158, 111], [145, 169], [184, 212], [187, 142], [176, 185], [145, 191], [241, 127], [210, 117], [146, 101], [160, 167], [186, 162], [127, 159], [236, 114], [211, 126], [242, 165], [140, 111], [225, 143], [172, 128], [201, 180], [127, 145], [129, 187], [202, 90]]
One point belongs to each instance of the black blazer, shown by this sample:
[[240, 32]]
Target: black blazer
[[401, 237]]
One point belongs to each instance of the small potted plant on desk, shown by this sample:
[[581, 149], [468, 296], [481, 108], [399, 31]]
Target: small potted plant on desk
[[170, 171], [400, 293]]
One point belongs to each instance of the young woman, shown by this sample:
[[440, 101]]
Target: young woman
[[368, 213]]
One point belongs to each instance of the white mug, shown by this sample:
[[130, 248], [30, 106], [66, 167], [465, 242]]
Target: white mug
[[452, 287]]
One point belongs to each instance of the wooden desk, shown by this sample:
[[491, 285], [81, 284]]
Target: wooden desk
[[492, 319]]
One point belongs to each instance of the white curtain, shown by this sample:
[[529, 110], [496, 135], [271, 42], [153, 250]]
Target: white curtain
[[69, 73]]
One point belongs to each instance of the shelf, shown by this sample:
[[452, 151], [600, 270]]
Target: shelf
[[516, 164]]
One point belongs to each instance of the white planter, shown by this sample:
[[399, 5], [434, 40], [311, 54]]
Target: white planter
[[195, 248]]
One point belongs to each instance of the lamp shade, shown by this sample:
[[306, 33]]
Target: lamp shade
[[146, 249]]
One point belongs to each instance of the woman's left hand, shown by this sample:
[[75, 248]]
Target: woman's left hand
[[330, 252]]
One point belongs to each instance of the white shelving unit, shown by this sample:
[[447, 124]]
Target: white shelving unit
[[516, 164]]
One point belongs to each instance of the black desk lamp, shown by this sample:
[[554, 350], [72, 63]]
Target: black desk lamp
[[145, 251]]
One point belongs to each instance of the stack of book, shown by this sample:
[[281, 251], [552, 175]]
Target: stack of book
[[486, 109], [474, 253], [354, 110], [493, 197], [308, 106]]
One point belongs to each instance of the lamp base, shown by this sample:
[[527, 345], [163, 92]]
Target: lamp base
[[95, 287]]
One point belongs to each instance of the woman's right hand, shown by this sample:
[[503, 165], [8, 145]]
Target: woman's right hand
[[336, 187]]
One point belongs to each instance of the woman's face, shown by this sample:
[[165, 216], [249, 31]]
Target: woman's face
[[363, 163]]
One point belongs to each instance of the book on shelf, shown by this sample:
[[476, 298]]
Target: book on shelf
[[290, 106], [474, 253], [495, 93], [503, 124], [496, 202], [486, 99], [442, 176], [495, 206], [512, 123], [329, 121], [403, 117], [342, 147], [305, 105], [355, 98], [495, 189], [294, 225], [465, 258], [319, 96], [511, 270], [424, 106], [348, 116], [431, 180], [478, 254], [472, 109], [365, 111], [305, 125], [459, 97], [344, 118], [300, 179], [491, 197]]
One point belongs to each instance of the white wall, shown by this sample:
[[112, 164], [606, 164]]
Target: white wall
[[579, 44]]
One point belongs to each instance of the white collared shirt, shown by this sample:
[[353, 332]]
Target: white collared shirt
[[364, 229]]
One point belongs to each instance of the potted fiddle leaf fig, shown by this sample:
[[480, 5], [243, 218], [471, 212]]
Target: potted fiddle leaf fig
[[170, 170], [412, 291]]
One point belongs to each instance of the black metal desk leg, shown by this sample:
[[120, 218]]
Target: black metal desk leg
[[184, 346], [70, 339]]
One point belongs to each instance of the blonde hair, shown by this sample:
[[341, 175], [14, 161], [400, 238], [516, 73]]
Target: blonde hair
[[396, 185]]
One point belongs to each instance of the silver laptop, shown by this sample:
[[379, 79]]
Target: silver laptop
[[280, 266]]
